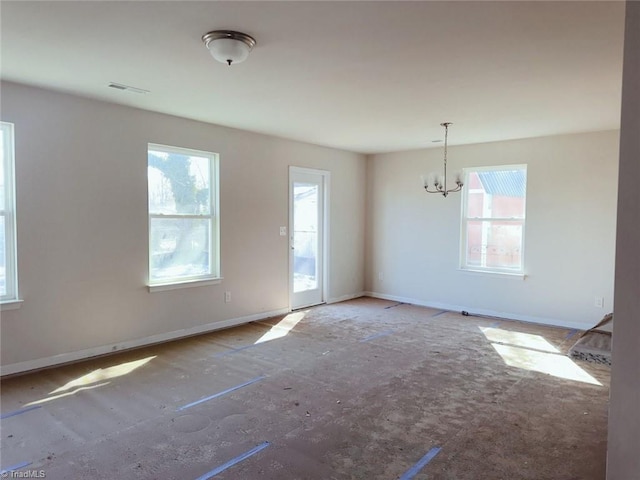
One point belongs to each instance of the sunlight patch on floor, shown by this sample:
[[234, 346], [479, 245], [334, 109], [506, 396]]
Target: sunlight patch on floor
[[536, 354], [283, 327], [66, 394], [102, 374], [518, 339], [99, 375]]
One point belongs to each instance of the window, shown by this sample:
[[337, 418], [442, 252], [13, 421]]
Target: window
[[493, 219], [183, 217], [8, 269]]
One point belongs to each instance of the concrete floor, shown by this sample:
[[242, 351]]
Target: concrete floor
[[358, 390]]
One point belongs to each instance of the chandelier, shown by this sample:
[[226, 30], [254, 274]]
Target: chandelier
[[436, 183]]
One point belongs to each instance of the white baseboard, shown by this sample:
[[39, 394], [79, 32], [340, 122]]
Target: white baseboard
[[344, 298], [554, 322], [40, 363]]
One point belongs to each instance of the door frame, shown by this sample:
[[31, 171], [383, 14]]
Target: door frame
[[326, 181]]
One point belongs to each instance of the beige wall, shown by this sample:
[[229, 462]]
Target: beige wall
[[82, 226], [413, 238], [623, 461]]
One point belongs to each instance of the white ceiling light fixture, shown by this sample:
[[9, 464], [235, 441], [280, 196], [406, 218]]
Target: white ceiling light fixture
[[436, 183], [227, 46]]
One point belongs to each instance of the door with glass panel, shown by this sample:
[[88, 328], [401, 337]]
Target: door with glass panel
[[307, 215]]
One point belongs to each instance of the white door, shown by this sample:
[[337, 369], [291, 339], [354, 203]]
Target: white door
[[307, 217]]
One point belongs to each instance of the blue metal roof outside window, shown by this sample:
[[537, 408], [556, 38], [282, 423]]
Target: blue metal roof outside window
[[507, 183]]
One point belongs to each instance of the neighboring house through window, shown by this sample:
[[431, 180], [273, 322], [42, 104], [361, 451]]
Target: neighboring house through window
[[183, 215], [8, 262], [493, 219]]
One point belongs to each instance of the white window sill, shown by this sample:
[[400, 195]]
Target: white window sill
[[520, 276], [10, 305], [163, 287]]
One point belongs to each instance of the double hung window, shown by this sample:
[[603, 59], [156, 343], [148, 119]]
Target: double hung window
[[183, 215], [8, 261], [493, 219]]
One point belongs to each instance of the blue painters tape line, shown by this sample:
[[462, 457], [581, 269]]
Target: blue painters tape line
[[413, 471], [439, 313], [234, 350], [18, 412], [15, 467], [234, 461], [391, 306], [377, 335], [571, 333], [219, 394]]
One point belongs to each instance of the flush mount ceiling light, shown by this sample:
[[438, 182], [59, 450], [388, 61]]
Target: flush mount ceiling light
[[435, 183], [227, 46]]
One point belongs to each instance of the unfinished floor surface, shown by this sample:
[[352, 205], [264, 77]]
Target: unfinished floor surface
[[365, 389]]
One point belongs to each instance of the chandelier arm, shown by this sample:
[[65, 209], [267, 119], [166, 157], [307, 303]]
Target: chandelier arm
[[441, 192]]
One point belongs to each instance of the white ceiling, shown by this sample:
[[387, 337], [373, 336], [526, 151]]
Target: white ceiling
[[362, 76]]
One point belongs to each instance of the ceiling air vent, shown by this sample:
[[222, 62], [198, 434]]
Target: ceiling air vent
[[119, 86]]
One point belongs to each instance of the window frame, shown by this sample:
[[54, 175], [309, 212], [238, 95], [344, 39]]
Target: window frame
[[7, 130], [213, 216], [520, 272]]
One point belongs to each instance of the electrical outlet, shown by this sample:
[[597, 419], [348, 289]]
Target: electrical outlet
[[283, 231], [380, 276], [227, 297], [598, 302]]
